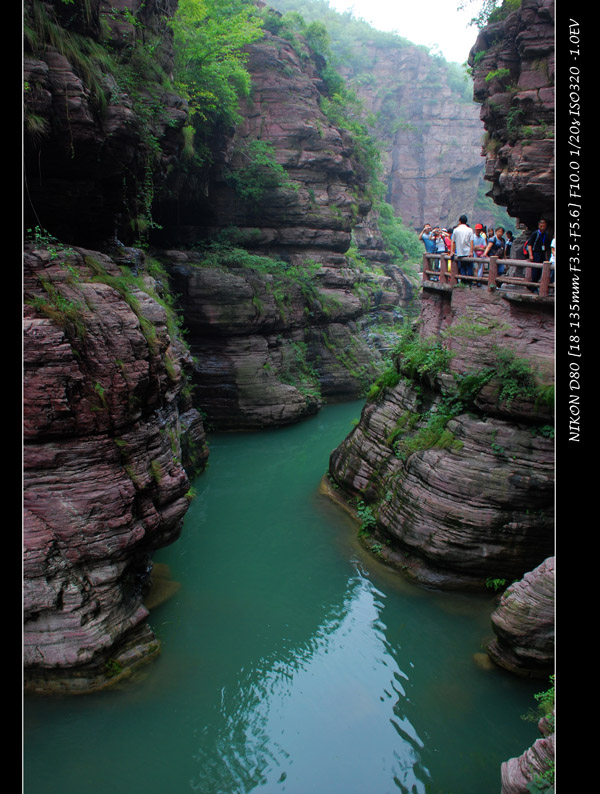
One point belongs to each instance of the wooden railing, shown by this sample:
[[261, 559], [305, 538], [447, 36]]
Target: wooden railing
[[448, 273]]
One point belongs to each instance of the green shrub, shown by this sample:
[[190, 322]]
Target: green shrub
[[418, 357], [258, 172], [366, 517], [515, 375], [497, 73]]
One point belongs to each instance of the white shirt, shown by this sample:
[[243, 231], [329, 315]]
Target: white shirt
[[462, 237]]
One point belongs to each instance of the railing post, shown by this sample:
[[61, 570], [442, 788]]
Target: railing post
[[493, 274], [453, 272], [425, 267], [444, 269], [545, 280]]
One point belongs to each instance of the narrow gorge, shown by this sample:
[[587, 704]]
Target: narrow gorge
[[222, 204]]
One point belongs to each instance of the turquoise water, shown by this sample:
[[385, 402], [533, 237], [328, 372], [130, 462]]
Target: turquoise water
[[292, 660]]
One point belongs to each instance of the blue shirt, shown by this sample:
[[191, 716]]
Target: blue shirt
[[429, 242]]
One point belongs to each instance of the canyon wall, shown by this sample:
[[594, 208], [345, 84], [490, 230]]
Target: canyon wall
[[108, 424], [421, 112], [456, 470], [104, 482], [282, 296], [513, 71], [279, 308], [430, 134]]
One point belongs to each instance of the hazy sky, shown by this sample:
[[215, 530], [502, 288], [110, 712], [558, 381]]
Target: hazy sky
[[435, 23]]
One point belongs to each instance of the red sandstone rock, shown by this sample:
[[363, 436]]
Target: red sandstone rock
[[104, 485], [518, 110], [482, 506], [267, 353], [524, 624], [517, 773], [87, 164]]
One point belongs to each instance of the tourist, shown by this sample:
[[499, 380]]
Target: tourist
[[479, 243], [496, 247], [509, 242], [427, 237], [462, 246], [538, 249], [440, 245]]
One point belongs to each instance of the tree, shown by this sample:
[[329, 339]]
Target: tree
[[209, 38]]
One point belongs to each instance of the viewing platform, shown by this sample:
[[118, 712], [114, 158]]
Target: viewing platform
[[517, 276]]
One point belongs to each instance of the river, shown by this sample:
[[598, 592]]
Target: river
[[292, 660]]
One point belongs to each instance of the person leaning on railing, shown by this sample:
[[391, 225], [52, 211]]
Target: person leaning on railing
[[479, 243]]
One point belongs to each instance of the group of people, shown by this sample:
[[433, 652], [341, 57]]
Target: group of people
[[462, 243]]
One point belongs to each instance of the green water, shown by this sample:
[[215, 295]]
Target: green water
[[292, 660]]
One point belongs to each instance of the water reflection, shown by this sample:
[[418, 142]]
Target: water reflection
[[289, 723], [292, 661]]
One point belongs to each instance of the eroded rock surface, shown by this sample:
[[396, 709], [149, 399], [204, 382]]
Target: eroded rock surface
[[533, 766], [274, 338], [92, 133], [524, 624], [513, 65], [104, 485], [476, 502]]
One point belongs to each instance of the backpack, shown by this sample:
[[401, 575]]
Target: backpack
[[525, 251]]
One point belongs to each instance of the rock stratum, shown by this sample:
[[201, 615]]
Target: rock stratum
[[278, 310], [431, 136]]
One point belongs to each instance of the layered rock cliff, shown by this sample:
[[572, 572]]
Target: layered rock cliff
[[102, 122], [524, 624], [277, 294], [107, 423], [513, 72], [430, 134], [104, 484], [277, 305], [422, 114], [534, 766], [453, 455]]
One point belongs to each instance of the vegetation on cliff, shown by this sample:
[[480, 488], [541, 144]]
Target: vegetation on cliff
[[489, 11], [343, 107], [210, 63]]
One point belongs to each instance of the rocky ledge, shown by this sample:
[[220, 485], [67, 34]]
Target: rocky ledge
[[271, 341], [534, 766]]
